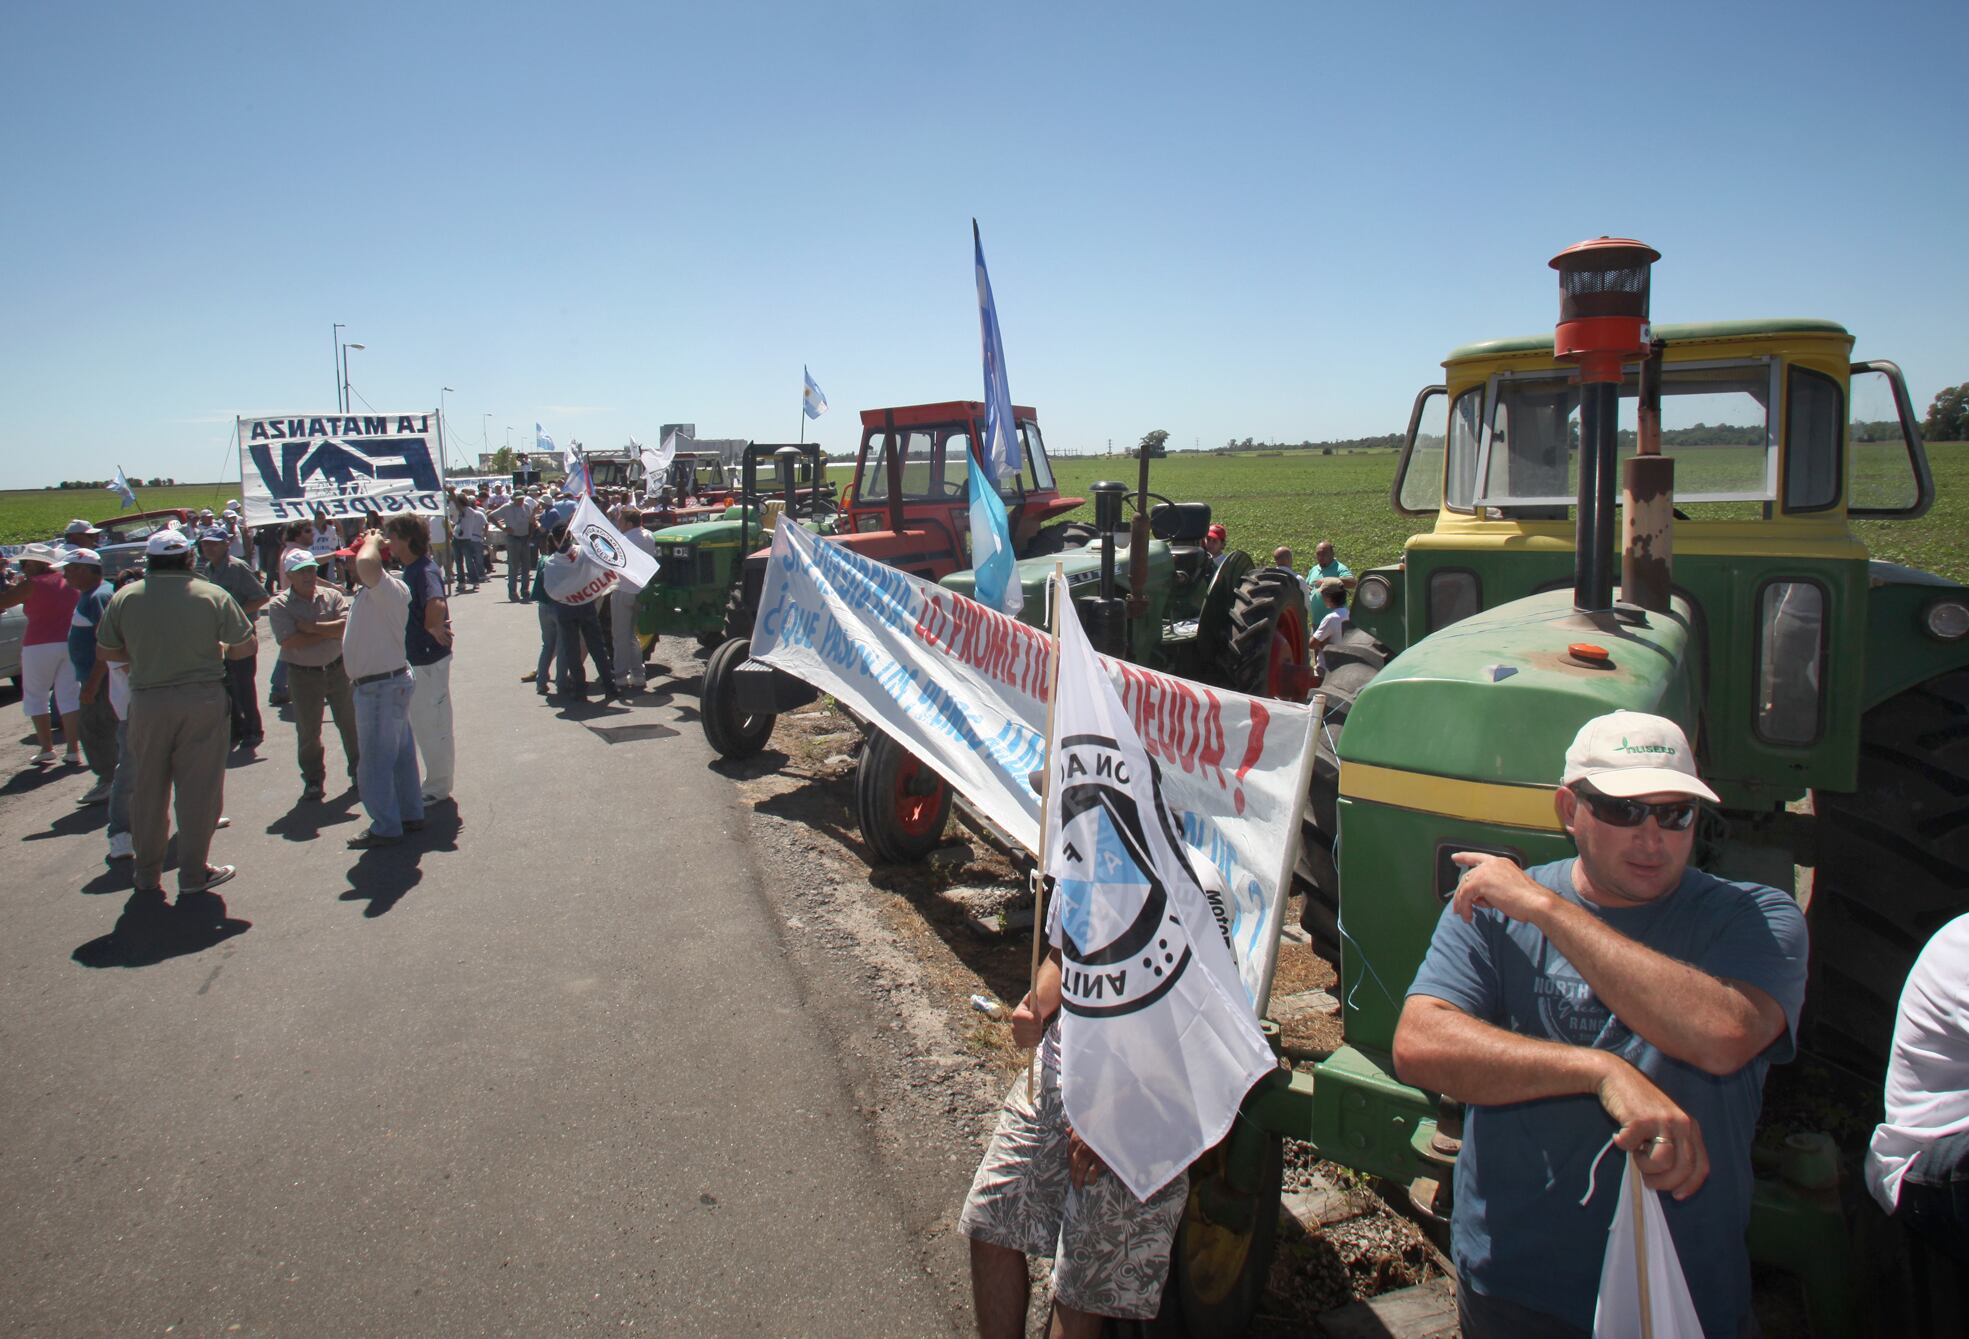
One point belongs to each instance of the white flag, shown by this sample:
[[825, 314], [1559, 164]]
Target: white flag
[[1158, 1044], [543, 444], [656, 463], [811, 399], [1641, 1263], [596, 539], [121, 487], [573, 577]]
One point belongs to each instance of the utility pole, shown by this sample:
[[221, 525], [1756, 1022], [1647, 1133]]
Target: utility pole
[[335, 362]]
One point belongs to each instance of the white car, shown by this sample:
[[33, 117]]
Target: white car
[[13, 626]]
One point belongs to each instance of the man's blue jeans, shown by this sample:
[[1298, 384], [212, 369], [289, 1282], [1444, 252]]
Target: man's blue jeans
[[519, 567], [386, 772], [579, 622]]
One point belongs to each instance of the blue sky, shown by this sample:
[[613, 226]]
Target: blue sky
[[1222, 220]]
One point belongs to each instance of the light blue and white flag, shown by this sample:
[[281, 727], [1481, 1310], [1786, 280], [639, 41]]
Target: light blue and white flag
[[1158, 1042], [121, 487], [991, 530], [811, 398], [543, 445]]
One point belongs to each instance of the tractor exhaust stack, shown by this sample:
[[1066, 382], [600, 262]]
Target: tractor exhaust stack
[[1647, 546], [1603, 320]]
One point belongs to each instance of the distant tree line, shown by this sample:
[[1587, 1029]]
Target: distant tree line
[[104, 483], [1388, 442], [1948, 415]]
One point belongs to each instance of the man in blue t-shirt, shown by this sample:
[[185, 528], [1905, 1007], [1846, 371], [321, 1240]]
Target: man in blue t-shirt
[[1620, 995], [82, 568]]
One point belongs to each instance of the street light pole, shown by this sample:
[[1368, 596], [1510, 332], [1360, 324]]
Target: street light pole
[[334, 358], [442, 392], [345, 373]]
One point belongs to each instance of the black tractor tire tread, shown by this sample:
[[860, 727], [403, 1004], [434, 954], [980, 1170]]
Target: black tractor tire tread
[[1317, 874], [1059, 537], [730, 734], [1242, 662], [1893, 868]]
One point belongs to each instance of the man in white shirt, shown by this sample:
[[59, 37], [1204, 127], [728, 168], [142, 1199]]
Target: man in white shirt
[[470, 533], [515, 519], [622, 607], [373, 655], [1332, 624], [1918, 1164]]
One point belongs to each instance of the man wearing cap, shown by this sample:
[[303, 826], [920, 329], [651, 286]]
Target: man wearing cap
[[427, 645], [79, 534], [217, 565], [175, 632], [1213, 544], [82, 569], [1620, 996], [379, 673], [515, 519], [307, 620]]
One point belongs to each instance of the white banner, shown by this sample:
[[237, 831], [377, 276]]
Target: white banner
[[295, 467], [599, 541], [573, 577], [963, 688]]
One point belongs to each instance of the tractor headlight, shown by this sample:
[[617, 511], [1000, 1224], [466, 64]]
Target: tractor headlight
[[1946, 620], [1373, 594]]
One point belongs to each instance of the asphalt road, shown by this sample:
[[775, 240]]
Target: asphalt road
[[543, 1071]]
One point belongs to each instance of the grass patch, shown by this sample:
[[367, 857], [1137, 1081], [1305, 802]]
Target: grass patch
[[31, 514]]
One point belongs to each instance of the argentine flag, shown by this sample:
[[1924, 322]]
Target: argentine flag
[[991, 530], [811, 399], [121, 487]]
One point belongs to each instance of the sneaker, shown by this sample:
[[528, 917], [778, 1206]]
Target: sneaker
[[413, 825], [224, 822], [96, 794], [121, 847], [314, 792], [368, 840], [214, 876], [44, 757], [528, 677]]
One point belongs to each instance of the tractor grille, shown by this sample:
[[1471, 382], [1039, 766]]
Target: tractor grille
[[681, 565]]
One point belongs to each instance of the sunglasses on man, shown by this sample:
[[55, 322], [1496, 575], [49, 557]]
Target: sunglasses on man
[[1616, 812]]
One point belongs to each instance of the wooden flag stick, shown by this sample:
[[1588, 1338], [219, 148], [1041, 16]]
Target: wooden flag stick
[[1641, 1245], [1056, 594]]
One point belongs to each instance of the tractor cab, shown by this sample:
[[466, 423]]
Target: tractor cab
[[910, 496]]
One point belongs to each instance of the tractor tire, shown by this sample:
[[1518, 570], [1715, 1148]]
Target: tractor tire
[[740, 614], [1893, 869], [1356, 646], [1266, 634], [1220, 1272], [1059, 537], [1317, 874], [901, 805], [730, 733]]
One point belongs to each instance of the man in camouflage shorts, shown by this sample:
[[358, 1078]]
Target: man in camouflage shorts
[[1041, 1191]]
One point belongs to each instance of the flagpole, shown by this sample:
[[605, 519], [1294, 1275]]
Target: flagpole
[[1289, 860], [1045, 801], [1639, 1187]]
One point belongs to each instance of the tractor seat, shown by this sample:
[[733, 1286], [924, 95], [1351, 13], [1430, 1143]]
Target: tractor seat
[[1192, 564], [1180, 522]]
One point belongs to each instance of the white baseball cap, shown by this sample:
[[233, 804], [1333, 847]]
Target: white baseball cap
[[78, 526], [298, 559], [166, 544], [82, 558], [1630, 753]]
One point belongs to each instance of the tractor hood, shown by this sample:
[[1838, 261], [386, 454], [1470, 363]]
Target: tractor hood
[[724, 528], [1498, 697], [1083, 571]]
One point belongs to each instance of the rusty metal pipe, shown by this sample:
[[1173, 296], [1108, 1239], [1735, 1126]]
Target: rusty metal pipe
[[1648, 501], [1138, 542]]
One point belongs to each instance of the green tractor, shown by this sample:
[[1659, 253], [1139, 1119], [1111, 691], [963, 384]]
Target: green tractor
[[1827, 694], [697, 588], [1219, 619]]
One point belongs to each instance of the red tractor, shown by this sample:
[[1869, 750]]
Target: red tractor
[[908, 507]]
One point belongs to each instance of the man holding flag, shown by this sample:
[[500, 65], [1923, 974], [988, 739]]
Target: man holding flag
[[1147, 1042]]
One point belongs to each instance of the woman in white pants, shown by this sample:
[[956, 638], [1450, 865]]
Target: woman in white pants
[[49, 602]]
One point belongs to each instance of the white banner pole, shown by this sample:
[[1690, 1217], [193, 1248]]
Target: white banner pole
[[1055, 592], [1289, 859]]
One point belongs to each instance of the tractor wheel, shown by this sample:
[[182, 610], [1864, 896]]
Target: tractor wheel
[[1266, 637], [1317, 874], [1222, 1255], [1893, 868], [1059, 537], [739, 614], [730, 733], [710, 640], [902, 805]]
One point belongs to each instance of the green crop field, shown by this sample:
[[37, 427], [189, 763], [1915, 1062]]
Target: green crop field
[[27, 515], [1298, 498]]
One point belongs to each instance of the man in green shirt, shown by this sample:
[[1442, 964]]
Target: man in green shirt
[[1326, 567], [235, 578], [175, 632]]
